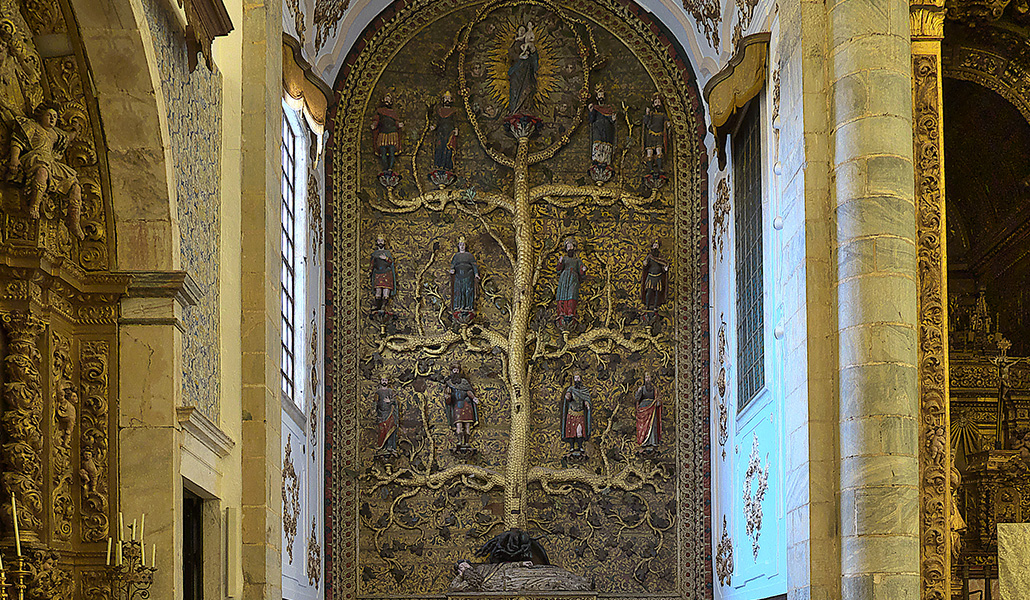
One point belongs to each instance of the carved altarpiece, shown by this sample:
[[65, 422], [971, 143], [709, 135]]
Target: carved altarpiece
[[636, 523], [59, 299]]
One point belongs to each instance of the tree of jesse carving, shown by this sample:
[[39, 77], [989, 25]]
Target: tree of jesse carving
[[520, 346]]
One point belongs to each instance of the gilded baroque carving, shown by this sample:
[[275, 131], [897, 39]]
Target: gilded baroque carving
[[975, 12], [721, 386], [313, 361], [293, 6], [314, 566], [51, 171], [328, 14], [724, 556], [47, 580], [745, 14], [720, 216], [22, 422], [315, 211], [756, 479], [926, 22], [934, 441], [94, 358], [64, 400], [420, 470], [291, 497], [707, 16]]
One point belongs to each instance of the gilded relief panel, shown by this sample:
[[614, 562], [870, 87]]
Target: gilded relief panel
[[515, 279]]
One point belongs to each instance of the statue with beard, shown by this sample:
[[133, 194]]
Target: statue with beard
[[654, 279], [384, 276], [602, 130], [445, 134], [571, 272], [462, 407], [576, 416], [656, 135], [386, 131]]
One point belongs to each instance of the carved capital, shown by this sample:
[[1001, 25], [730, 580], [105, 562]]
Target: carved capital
[[926, 22]]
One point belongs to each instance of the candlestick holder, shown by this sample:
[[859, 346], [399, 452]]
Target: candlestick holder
[[130, 580], [21, 576]]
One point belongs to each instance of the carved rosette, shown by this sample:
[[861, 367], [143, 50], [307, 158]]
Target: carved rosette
[[756, 478], [291, 497], [62, 425], [724, 556], [21, 423], [94, 441], [934, 441]]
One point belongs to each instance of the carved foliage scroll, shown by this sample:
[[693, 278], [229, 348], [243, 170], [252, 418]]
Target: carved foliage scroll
[[22, 422], [94, 442], [291, 497], [756, 482], [63, 400], [724, 556], [933, 392]]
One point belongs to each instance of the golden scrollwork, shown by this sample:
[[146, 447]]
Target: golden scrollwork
[[291, 497], [314, 564], [724, 556], [22, 421], [94, 358], [720, 216], [64, 400], [756, 483], [934, 441], [47, 580], [926, 22]]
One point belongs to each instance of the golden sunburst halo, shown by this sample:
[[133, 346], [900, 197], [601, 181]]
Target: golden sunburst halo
[[497, 62]]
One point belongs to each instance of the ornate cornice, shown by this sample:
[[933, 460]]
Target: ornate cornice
[[926, 22], [206, 20]]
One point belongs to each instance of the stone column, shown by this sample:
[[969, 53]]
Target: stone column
[[871, 162], [927, 29], [261, 132]]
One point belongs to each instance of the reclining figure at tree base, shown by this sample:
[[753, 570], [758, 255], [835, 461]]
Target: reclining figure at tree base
[[515, 577], [518, 563]]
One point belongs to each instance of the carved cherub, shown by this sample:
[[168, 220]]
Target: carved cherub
[[88, 472], [65, 411], [35, 145]]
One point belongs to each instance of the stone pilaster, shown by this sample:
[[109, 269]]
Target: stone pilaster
[[871, 158], [927, 29], [261, 132]]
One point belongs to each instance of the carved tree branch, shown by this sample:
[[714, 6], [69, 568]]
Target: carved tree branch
[[570, 196]]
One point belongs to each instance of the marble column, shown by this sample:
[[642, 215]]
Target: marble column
[[872, 187]]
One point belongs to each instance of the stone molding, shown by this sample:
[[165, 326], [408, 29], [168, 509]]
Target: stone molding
[[200, 428]]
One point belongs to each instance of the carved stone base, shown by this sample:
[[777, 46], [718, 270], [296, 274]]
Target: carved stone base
[[540, 581]]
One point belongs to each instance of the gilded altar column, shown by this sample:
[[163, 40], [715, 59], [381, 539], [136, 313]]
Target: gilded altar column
[[872, 189], [927, 27], [22, 425]]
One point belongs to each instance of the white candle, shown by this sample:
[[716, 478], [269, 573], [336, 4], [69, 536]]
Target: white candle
[[109, 551], [132, 532], [142, 522], [118, 555], [153, 556], [121, 527], [17, 536]]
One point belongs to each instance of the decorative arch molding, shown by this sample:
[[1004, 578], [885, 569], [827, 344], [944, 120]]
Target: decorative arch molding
[[349, 183], [989, 56]]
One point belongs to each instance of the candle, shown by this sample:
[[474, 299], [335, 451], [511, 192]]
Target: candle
[[118, 554], [142, 522], [153, 556], [109, 551], [121, 527], [14, 512], [142, 555], [132, 532]]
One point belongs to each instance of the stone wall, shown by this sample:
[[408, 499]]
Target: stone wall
[[193, 104]]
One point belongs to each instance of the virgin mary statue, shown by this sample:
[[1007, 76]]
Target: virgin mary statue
[[522, 73]]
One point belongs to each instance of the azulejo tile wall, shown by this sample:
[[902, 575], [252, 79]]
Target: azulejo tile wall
[[193, 102]]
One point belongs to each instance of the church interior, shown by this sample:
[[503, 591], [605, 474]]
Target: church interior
[[515, 299]]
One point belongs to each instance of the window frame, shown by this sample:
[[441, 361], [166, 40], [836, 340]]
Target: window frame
[[293, 241]]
